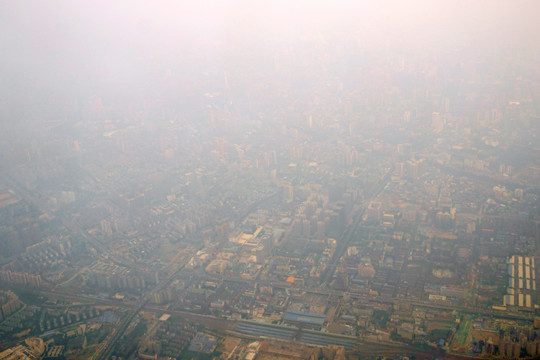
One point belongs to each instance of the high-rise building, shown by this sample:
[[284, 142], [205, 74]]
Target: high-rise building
[[400, 169], [306, 228], [416, 168], [288, 191], [374, 212], [437, 122]]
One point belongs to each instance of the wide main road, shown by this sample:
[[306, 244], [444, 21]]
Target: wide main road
[[141, 305], [109, 346], [348, 235]]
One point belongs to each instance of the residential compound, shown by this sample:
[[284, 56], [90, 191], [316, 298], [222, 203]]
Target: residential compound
[[521, 282]]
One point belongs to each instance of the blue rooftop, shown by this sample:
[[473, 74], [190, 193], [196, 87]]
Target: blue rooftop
[[304, 317]]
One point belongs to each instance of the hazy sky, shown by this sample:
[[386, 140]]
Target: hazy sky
[[66, 47]]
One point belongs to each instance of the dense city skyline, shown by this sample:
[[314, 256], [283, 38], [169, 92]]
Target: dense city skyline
[[201, 180]]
